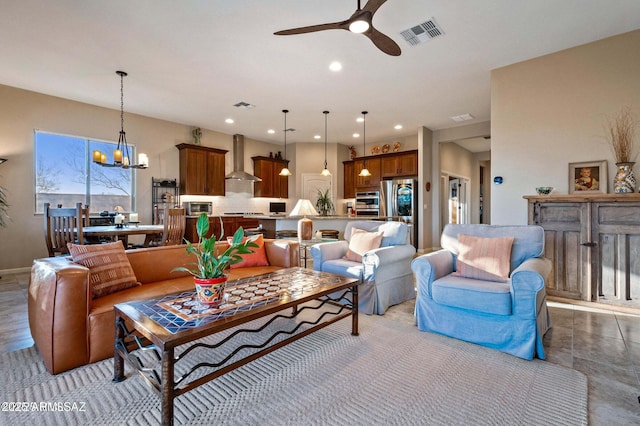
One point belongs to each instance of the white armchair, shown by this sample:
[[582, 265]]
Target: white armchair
[[384, 273]]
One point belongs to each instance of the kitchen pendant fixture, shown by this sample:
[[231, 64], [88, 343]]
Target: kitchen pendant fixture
[[364, 172], [285, 171], [121, 157], [325, 171]]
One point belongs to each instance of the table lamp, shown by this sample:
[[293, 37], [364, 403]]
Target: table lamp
[[305, 225]]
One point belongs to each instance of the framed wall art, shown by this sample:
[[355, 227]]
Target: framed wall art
[[588, 177]]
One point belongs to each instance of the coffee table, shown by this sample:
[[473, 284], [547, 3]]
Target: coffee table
[[148, 332]]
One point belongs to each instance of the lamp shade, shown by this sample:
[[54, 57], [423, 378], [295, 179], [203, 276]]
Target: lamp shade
[[303, 208]]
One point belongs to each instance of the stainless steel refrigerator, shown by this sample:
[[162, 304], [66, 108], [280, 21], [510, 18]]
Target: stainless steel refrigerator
[[399, 201]]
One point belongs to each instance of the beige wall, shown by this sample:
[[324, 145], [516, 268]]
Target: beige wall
[[22, 112], [549, 111]]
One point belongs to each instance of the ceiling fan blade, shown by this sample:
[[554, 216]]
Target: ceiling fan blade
[[313, 28], [383, 42], [373, 5]]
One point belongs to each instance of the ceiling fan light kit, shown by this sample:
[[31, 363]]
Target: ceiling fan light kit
[[360, 22]]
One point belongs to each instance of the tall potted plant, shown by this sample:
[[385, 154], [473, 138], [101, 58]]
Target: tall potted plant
[[209, 270], [324, 203], [620, 135]]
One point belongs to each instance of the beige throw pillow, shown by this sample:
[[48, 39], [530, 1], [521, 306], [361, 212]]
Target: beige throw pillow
[[361, 242], [487, 259], [109, 266]]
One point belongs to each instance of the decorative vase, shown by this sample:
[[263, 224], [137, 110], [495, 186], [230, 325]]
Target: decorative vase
[[624, 181], [210, 291]]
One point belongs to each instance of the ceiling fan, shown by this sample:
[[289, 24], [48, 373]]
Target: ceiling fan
[[359, 23]]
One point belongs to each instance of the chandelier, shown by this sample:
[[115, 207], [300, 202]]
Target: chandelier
[[121, 156]]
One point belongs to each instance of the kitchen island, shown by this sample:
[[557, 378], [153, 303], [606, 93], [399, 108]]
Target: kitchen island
[[273, 223]]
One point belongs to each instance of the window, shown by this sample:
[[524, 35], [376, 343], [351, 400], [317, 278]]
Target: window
[[64, 174]]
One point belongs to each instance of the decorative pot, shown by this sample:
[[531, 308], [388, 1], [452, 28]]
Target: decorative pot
[[624, 181], [210, 291]]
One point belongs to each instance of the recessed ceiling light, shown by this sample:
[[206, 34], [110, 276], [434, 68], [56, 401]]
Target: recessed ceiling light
[[271, 131], [335, 66], [398, 126], [316, 137], [356, 135], [229, 120], [359, 120]]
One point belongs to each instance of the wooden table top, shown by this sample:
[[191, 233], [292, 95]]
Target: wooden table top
[[105, 231]]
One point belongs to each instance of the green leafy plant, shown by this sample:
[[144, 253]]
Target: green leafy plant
[[324, 203], [209, 264]]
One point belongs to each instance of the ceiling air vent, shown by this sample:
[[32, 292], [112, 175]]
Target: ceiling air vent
[[244, 105], [422, 32]]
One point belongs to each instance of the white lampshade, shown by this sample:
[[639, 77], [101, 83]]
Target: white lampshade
[[303, 208]]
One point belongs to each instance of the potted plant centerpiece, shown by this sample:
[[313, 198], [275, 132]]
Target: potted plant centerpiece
[[209, 271], [324, 203]]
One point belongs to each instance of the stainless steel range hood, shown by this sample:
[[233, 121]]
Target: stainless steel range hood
[[238, 172]]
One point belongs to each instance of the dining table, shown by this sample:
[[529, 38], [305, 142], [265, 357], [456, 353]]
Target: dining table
[[113, 232]]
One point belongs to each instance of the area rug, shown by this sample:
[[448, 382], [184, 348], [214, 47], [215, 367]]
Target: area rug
[[391, 374]]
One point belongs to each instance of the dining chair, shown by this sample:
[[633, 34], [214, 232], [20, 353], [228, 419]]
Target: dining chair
[[62, 226], [175, 222]]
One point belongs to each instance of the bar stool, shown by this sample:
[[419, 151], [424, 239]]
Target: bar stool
[[287, 233]]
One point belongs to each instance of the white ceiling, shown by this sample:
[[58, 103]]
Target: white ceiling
[[189, 61]]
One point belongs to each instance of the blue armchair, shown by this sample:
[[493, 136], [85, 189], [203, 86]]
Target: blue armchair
[[384, 273], [509, 316]]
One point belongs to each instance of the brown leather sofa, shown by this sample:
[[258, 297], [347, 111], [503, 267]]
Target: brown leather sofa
[[71, 329]]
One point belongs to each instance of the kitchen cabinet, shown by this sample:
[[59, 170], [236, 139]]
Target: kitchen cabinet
[[217, 224], [272, 185], [369, 182], [201, 170], [349, 179], [191, 230], [593, 241], [232, 223], [399, 164], [396, 164]]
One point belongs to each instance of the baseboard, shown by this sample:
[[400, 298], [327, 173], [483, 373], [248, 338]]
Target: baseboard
[[15, 271], [596, 305]]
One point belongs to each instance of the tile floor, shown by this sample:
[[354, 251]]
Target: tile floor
[[603, 344]]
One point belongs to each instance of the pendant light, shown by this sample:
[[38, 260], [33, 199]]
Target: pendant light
[[121, 157], [285, 171], [325, 171], [364, 172]]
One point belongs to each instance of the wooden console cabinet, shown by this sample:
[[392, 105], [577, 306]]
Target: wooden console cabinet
[[593, 241], [217, 224], [201, 170]]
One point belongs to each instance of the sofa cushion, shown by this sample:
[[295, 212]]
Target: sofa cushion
[[484, 258], [257, 258], [109, 266], [343, 267], [361, 242], [465, 293]]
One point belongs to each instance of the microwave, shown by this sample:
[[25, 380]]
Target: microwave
[[194, 208]]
